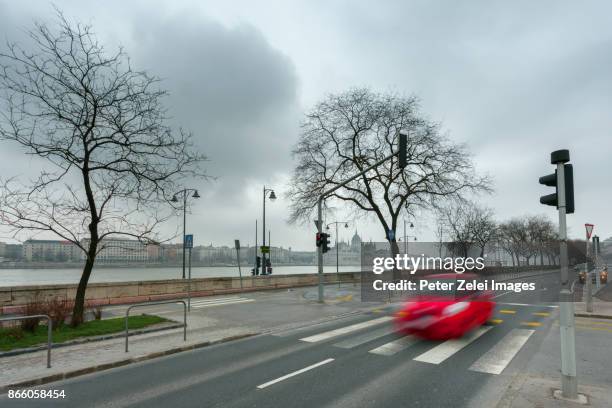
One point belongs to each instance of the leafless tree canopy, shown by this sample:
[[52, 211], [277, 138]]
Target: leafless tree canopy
[[468, 225], [347, 132], [111, 159], [527, 238]]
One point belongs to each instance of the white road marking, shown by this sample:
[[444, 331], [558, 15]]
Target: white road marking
[[203, 304], [394, 346], [293, 374], [497, 358], [502, 294], [344, 330], [364, 338], [445, 350], [527, 304]]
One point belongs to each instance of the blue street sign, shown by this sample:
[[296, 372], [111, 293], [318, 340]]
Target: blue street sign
[[189, 241], [390, 235]]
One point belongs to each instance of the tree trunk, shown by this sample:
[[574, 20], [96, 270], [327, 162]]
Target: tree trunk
[[79, 300]]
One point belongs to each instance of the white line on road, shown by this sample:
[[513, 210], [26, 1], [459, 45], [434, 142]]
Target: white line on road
[[497, 358], [502, 294], [200, 305], [445, 350], [394, 346], [527, 304], [293, 374], [364, 338], [344, 330]]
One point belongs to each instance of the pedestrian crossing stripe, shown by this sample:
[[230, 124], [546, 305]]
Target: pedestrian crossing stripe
[[445, 350], [202, 303], [493, 361], [345, 330], [499, 356], [395, 346]]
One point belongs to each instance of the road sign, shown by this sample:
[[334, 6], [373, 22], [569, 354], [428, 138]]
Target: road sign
[[189, 241], [589, 230], [265, 249]]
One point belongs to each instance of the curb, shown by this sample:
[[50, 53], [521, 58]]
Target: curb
[[89, 340], [593, 315], [120, 363]]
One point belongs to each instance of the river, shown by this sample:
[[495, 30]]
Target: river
[[23, 277]]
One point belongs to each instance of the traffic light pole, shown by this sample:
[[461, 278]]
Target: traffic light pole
[[569, 382]]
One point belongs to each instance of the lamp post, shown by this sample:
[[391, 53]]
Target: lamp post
[[272, 197], [406, 236], [337, 250], [176, 200], [406, 242]]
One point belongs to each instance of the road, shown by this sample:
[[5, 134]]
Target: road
[[349, 362]]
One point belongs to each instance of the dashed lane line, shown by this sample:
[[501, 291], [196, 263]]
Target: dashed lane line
[[293, 374]]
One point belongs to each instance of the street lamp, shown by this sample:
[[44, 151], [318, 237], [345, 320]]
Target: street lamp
[[406, 236], [272, 197], [337, 251], [176, 200]]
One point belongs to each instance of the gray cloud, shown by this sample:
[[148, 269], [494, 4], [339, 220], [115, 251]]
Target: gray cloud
[[513, 79]]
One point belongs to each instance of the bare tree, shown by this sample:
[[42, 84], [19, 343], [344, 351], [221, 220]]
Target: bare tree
[[468, 225], [345, 133], [100, 127]]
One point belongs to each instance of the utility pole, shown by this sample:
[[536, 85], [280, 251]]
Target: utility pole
[[589, 284]]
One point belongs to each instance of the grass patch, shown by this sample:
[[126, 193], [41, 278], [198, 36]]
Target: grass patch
[[14, 339]]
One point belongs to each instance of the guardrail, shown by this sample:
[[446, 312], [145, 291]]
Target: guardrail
[[49, 331], [127, 312]]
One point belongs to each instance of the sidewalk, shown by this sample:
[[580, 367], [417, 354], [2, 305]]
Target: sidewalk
[[534, 387], [265, 312]]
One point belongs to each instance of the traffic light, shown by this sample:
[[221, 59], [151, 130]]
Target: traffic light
[[325, 242], [401, 152], [258, 262], [319, 239], [560, 156]]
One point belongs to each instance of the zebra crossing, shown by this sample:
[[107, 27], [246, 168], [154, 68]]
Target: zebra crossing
[[494, 360], [203, 303]]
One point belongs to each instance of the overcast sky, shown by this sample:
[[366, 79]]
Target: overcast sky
[[514, 80]]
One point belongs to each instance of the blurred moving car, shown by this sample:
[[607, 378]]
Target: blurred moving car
[[441, 315]]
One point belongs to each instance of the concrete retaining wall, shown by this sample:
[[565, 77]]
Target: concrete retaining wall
[[12, 299]]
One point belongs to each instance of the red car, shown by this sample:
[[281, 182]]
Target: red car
[[440, 315]]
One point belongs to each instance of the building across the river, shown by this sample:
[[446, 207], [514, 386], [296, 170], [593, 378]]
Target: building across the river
[[49, 250]]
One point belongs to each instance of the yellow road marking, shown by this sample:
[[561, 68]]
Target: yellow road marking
[[496, 321], [531, 324], [544, 314], [580, 321], [504, 311], [594, 328]]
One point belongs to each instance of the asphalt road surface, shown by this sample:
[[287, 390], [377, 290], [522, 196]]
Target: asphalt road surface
[[353, 362]]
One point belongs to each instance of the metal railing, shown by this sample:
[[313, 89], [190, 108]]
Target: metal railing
[[127, 312], [49, 331]]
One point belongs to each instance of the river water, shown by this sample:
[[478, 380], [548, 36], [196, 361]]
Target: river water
[[22, 277]]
